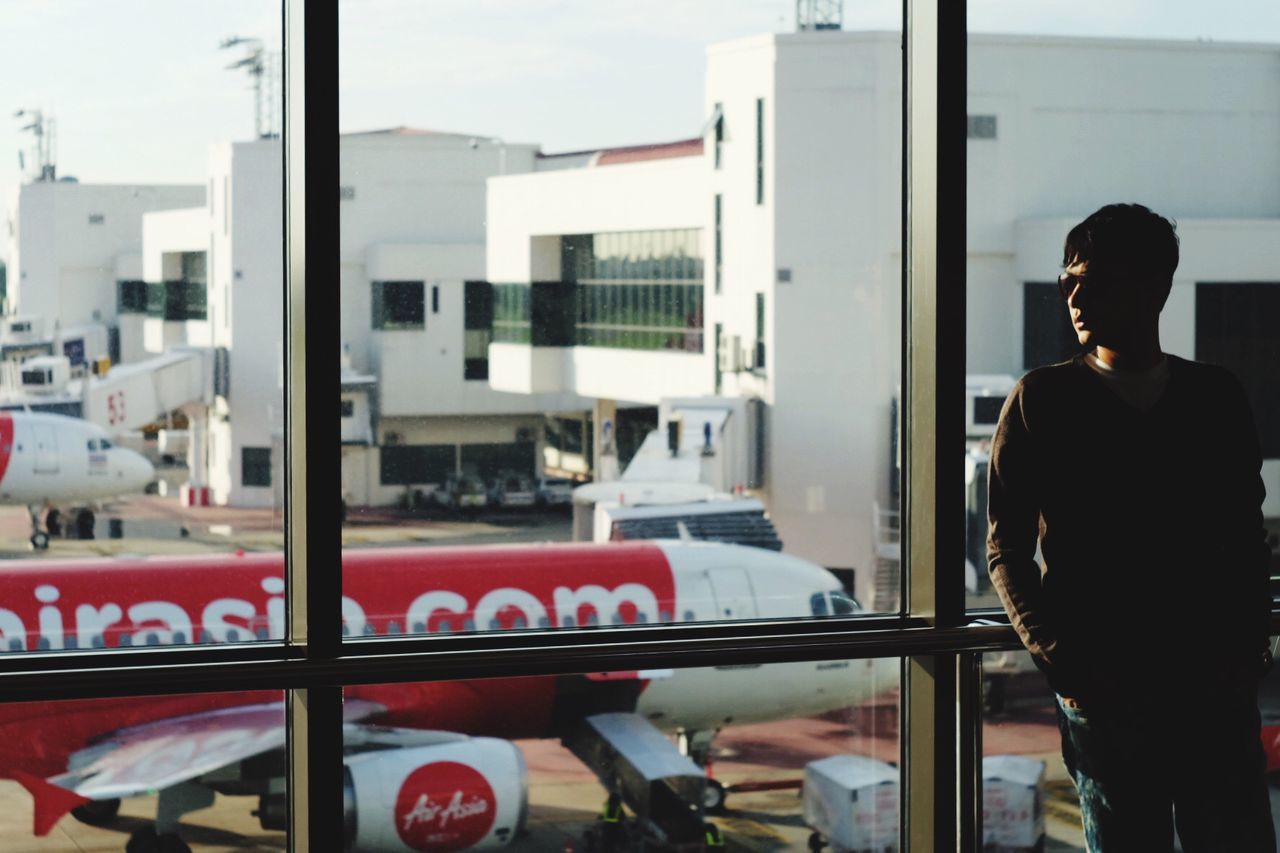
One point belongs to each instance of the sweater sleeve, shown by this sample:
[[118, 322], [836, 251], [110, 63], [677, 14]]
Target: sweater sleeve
[[1013, 513], [1247, 553]]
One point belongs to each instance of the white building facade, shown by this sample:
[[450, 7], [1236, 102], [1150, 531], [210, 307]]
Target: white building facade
[[69, 245], [416, 405], [794, 195]]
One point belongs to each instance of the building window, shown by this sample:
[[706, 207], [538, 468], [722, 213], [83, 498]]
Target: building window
[[255, 466], [435, 299], [1047, 335], [176, 300], [97, 219], [348, 408], [719, 240], [759, 150], [398, 305], [477, 323], [719, 129], [1236, 327], [719, 372], [982, 127], [511, 314], [637, 289], [131, 297], [758, 360], [416, 464]]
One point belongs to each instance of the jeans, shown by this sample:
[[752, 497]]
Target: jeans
[[1194, 761]]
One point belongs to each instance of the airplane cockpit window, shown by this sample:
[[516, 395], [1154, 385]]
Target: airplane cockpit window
[[105, 444], [93, 444], [843, 604], [818, 603]]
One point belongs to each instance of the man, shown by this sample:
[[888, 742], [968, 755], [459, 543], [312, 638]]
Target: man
[[1138, 471]]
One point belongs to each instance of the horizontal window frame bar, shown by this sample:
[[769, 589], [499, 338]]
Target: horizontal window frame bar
[[524, 651], [406, 660]]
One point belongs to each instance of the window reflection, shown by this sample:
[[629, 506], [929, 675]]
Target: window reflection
[[766, 755], [200, 772]]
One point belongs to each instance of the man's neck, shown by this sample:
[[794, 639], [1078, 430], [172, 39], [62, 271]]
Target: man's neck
[[1130, 359]]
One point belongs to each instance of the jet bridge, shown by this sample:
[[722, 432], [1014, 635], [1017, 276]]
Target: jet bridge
[[124, 398]]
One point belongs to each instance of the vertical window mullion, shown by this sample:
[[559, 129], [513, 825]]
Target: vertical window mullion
[[312, 528], [938, 768]]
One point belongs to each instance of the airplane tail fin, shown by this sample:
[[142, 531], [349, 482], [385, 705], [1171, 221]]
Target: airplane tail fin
[[52, 801]]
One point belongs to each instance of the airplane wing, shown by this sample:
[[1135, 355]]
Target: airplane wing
[[146, 758]]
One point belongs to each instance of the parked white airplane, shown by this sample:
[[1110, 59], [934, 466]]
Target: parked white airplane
[[47, 460], [430, 765]]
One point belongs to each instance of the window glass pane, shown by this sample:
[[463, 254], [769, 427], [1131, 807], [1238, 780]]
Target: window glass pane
[[154, 772], [766, 754], [592, 228], [1028, 789], [141, 360], [1027, 792], [1158, 110]]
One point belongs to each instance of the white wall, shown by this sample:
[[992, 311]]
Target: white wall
[[66, 266], [171, 232], [834, 356], [253, 269]]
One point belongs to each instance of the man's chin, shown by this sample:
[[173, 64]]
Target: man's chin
[[1085, 337]]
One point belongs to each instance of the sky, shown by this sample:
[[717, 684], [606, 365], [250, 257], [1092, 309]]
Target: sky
[[139, 88]]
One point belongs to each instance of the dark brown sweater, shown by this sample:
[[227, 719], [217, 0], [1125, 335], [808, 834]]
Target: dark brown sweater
[[1149, 524]]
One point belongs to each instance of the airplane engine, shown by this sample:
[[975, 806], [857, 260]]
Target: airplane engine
[[466, 794]]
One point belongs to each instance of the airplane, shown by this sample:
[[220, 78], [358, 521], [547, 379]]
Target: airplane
[[48, 459], [427, 765]]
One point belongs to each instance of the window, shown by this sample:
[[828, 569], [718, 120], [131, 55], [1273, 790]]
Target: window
[[719, 242], [398, 305], [939, 677], [416, 464], [255, 466], [512, 313], [637, 289], [759, 150], [348, 408], [1236, 328], [1047, 335], [478, 317], [982, 127], [719, 131], [759, 341], [131, 297]]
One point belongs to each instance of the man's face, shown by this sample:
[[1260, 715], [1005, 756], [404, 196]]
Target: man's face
[[1105, 309]]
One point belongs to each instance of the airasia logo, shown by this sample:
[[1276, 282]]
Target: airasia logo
[[444, 805]]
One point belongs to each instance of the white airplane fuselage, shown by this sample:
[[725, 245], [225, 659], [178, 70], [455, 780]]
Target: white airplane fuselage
[[52, 459]]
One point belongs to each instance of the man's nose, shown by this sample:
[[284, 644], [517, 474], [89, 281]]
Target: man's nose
[[1075, 297]]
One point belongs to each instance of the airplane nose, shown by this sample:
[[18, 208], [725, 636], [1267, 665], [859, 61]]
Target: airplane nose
[[133, 470]]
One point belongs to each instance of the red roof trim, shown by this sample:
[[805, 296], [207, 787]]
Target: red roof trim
[[638, 153]]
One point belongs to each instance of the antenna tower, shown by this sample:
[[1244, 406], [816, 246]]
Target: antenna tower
[[45, 132], [264, 68], [819, 14]]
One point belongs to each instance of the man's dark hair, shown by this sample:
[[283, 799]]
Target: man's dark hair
[[1129, 239]]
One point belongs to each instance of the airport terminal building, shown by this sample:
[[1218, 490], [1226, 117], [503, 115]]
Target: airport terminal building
[[762, 260]]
